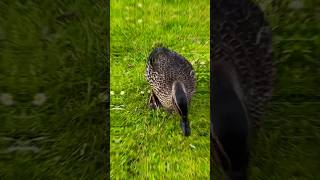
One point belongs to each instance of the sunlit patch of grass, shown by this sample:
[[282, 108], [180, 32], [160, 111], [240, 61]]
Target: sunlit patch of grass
[[148, 143]]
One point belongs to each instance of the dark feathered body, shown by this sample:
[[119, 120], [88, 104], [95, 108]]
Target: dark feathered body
[[172, 80], [241, 82], [163, 68], [242, 37]]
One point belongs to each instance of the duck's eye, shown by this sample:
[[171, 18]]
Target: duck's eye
[[191, 73], [177, 109]]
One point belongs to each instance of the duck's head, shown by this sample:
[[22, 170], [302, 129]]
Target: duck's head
[[180, 104]]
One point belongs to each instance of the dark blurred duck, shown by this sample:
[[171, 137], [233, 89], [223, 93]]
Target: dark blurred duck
[[241, 83], [172, 80]]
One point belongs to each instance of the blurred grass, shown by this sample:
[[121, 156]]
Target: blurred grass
[[145, 143], [53, 89], [289, 143]]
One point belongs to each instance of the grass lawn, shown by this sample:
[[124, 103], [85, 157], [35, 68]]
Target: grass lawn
[[53, 84], [148, 144]]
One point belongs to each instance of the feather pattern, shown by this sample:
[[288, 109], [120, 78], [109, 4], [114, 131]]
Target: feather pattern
[[242, 37], [163, 68]]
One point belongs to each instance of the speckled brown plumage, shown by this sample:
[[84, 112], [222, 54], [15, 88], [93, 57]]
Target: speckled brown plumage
[[241, 81], [242, 37], [163, 68]]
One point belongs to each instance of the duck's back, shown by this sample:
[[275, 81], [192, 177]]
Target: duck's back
[[163, 68], [241, 36]]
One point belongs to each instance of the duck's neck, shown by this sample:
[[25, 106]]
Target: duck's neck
[[180, 103], [179, 96], [230, 122], [225, 77]]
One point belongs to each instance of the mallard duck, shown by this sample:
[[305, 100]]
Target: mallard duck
[[172, 80], [242, 81]]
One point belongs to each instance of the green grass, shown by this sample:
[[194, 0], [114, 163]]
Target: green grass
[[57, 49], [145, 143]]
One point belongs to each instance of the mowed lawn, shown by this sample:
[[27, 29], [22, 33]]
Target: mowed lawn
[[145, 143]]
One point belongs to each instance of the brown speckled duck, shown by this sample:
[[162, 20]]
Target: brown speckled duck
[[172, 80], [241, 81]]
